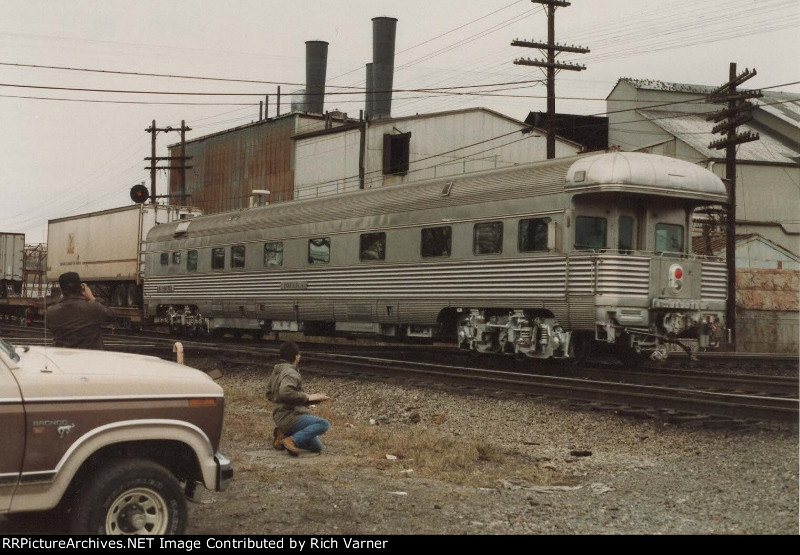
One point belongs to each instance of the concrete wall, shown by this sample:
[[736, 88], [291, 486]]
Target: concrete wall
[[768, 311]]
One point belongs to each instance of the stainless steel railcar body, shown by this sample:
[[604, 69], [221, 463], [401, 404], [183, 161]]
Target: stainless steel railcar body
[[534, 260]]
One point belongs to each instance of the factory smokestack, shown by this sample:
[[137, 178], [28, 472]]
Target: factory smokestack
[[316, 66], [383, 34]]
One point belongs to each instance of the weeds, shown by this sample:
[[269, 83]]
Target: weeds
[[420, 451]]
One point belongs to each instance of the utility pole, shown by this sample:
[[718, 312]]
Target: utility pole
[[551, 47], [737, 113], [155, 159]]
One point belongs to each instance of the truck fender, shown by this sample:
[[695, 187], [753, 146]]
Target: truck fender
[[43, 490]]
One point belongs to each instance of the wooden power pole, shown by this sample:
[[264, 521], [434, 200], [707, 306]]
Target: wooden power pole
[[738, 111], [155, 159], [551, 65]]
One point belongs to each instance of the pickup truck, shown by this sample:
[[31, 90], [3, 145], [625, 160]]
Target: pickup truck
[[117, 442]]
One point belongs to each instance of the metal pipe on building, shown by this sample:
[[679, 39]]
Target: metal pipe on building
[[368, 96], [316, 66], [383, 37]]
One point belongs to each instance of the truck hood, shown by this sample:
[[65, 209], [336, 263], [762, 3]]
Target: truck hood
[[48, 372]]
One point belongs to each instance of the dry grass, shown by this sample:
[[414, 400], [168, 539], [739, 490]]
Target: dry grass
[[423, 451]]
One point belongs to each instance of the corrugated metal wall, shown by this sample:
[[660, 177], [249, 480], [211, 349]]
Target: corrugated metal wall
[[227, 167]]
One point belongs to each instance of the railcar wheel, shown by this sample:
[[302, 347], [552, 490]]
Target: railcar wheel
[[630, 358], [131, 497], [580, 347], [132, 295], [120, 297]]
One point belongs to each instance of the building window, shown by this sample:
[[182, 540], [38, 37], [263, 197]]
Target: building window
[[218, 258], [532, 234], [373, 246], [396, 152], [590, 233], [273, 254], [176, 257], [669, 238], [237, 256], [319, 250], [191, 261], [164, 258], [487, 238], [436, 241]]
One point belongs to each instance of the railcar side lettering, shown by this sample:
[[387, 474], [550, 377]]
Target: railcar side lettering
[[294, 284]]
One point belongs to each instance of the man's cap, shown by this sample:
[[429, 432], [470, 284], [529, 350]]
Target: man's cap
[[69, 279], [289, 351]]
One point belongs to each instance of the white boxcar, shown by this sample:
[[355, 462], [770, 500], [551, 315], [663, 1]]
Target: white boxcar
[[105, 248], [11, 248]]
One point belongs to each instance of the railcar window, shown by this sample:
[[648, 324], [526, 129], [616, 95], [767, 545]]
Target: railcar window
[[669, 238], [273, 254], [436, 241], [625, 239], [487, 238], [191, 261], [590, 233], [319, 250], [218, 259], [533, 234], [373, 246], [176, 257], [237, 256], [164, 258]]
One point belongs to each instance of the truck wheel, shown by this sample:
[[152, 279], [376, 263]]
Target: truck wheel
[[134, 496]]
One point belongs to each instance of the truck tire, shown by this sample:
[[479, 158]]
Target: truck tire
[[127, 497]]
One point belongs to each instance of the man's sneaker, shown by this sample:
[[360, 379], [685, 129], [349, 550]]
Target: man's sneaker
[[291, 448], [277, 437]]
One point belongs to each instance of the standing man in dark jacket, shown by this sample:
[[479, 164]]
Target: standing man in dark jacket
[[296, 428], [76, 319]]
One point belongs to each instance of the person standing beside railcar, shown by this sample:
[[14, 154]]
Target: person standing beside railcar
[[75, 321]]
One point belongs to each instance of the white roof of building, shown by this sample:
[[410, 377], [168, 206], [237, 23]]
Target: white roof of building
[[694, 130]]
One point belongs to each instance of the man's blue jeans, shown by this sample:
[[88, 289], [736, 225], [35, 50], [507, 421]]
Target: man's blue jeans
[[306, 430]]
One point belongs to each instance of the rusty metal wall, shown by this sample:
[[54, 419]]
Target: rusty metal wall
[[228, 166]]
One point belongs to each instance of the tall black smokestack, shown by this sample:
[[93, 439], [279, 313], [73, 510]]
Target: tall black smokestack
[[383, 34], [316, 66]]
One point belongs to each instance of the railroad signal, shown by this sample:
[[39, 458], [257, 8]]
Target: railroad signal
[[139, 194]]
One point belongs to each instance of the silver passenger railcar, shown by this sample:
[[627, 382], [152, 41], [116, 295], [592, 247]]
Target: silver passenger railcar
[[536, 260]]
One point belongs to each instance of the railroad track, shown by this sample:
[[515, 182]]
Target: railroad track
[[674, 393]]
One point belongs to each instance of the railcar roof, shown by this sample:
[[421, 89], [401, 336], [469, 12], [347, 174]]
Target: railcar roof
[[646, 173]]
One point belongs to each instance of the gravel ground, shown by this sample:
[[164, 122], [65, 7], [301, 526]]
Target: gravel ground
[[626, 475]]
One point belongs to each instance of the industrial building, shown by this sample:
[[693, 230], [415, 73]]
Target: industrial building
[[311, 152], [670, 119]]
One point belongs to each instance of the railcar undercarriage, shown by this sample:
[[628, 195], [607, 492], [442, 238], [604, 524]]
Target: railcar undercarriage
[[514, 332]]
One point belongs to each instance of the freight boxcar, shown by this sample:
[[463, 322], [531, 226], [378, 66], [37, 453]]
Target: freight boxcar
[[24, 294], [11, 249], [105, 249]]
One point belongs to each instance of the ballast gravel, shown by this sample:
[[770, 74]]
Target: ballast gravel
[[629, 475]]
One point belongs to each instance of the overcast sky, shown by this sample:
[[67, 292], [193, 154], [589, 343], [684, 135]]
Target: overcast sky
[[74, 140]]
